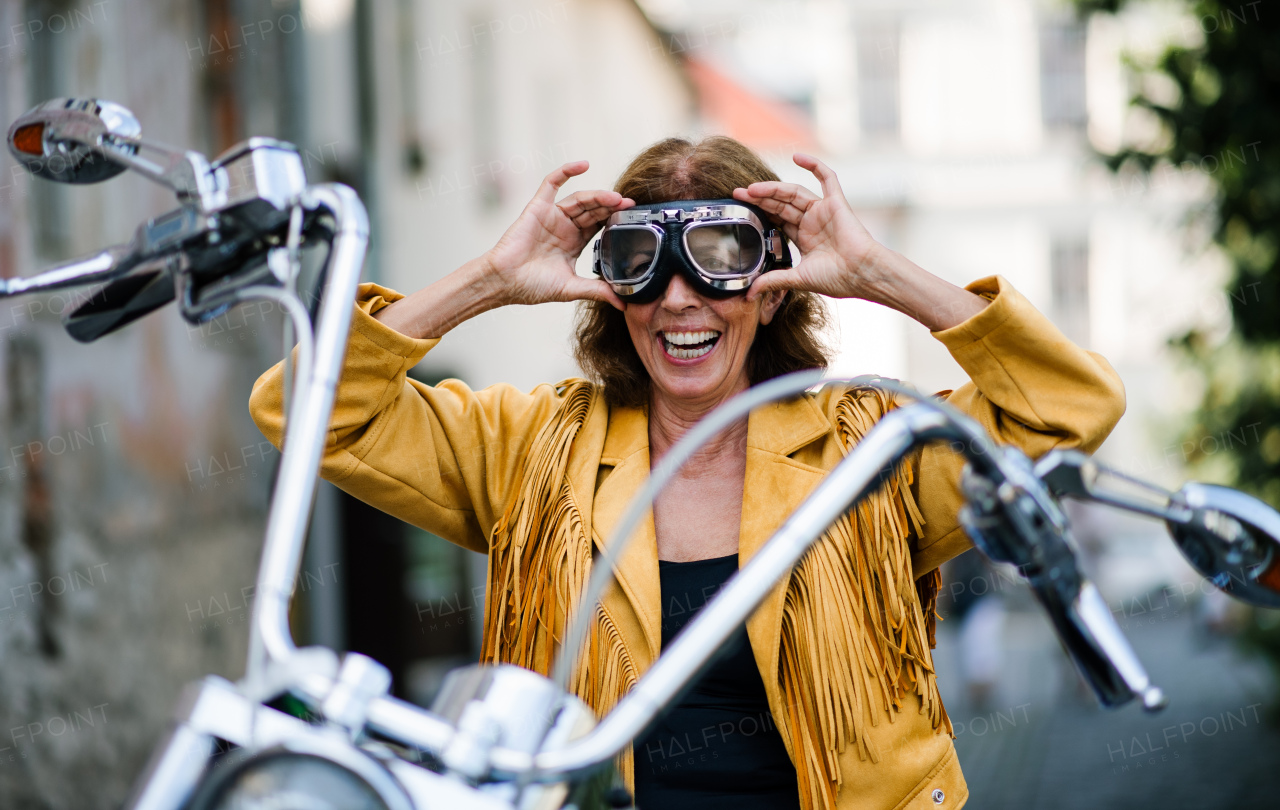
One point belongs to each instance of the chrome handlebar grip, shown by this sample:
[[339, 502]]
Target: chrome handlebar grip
[[1092, 615]]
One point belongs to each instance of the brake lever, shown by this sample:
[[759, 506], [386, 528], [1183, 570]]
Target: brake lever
[[123, 301], [142, 279], [1013, 517], [129, 293]]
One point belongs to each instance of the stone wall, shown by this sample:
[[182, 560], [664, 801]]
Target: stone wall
[[132, 483]]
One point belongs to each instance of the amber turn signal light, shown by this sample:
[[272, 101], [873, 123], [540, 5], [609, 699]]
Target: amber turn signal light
[[1271, 577], [29, 139]]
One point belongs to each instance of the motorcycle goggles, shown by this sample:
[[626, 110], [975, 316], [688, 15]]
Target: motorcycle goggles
[[720, 246]]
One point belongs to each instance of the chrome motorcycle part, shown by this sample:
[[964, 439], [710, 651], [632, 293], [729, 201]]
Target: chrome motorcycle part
[[855, 476], [1012, 517], [360, 680], [508, 706], [1232, 539], [263, 174], [75, 273], [87, 140], [308, 426], [65, 139], [315, 774]]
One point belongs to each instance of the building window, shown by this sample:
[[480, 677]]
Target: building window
[[1062, 87], [1069, 275], [878, 55]]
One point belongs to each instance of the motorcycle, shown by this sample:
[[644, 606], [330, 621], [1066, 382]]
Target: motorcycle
[[306, 727]]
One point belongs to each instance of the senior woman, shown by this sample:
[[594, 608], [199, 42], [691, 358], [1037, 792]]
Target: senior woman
[[828, 697]]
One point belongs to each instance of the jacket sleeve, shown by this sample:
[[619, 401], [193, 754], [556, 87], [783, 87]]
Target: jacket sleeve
[[1029, 386], [443, 458]]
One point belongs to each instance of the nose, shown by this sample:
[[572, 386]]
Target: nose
[[680, 296]]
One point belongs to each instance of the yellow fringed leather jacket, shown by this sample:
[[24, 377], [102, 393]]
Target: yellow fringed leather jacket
[[537, 480]]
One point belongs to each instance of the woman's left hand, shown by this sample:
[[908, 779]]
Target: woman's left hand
[[837, 253]]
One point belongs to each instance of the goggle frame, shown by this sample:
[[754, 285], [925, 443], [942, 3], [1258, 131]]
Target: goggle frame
[[689, 215]]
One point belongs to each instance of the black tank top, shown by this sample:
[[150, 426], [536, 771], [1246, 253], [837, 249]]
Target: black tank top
[[718, 747]]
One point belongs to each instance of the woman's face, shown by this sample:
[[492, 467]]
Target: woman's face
[[695, 348]]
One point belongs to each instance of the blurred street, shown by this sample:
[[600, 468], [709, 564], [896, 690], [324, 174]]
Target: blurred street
[[1041, 741]]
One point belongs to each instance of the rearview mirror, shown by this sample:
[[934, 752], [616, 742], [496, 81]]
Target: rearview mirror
[[67, 139], [1232, 539]]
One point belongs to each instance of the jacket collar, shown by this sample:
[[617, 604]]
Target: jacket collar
[[773, 432], [780, 428]]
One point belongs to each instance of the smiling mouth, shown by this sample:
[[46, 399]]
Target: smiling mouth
[[689, 345]]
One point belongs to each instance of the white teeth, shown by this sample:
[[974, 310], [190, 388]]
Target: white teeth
[[672, 342], [688, 338], [687, 354]]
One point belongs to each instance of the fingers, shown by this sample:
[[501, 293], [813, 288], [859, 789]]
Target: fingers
[[773, 280], [588, 209], [787, 201], [826, 177], [773, 195], [579, 289], [552, 182], [776, 190]]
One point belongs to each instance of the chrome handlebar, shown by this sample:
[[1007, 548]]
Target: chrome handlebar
[[86, 270], [307, 429]]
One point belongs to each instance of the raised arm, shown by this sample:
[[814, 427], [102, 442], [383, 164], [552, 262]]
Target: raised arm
[[531, 264], [444, 457], [841, 260], [1030, 386]]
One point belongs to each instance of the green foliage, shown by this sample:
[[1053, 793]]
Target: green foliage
[[1225, 118]]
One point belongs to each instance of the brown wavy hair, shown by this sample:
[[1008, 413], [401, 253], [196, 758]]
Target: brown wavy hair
[[678, 169]]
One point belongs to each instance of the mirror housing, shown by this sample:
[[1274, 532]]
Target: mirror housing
[[67, 139], [1232, 539], [87, 140]]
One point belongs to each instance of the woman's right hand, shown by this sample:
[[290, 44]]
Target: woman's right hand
[[531, 264], [534, 260]]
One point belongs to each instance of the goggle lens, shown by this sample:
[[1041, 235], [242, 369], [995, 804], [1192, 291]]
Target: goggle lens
[[627, 253], [725, 250]]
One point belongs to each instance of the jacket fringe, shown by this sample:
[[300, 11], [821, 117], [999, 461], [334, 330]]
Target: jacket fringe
[[539, 562], [855, 638], [857, 628]]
